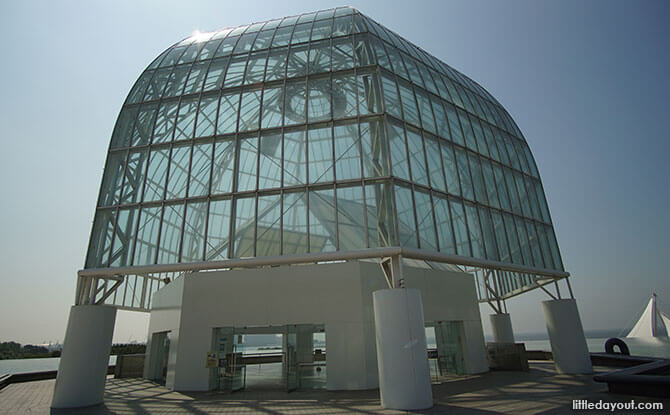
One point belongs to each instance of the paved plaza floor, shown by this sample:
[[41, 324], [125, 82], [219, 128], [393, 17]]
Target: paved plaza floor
[[539, 391]]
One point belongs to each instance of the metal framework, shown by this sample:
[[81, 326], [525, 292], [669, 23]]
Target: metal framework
[[317, 137]]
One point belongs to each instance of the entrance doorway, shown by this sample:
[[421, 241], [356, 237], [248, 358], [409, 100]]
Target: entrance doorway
[[160, 350], [275, 357], [447, 354]]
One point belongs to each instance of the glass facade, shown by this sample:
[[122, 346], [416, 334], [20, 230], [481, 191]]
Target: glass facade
[[314, 133]]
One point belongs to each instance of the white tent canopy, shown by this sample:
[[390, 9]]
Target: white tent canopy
[[652, 323]]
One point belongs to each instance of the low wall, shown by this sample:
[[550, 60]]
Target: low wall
[[129, 366]]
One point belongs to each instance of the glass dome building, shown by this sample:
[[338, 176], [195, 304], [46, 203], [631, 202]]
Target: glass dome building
[[324, 132], [324, 140]]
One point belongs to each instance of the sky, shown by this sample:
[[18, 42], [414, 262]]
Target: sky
[[585, 81]]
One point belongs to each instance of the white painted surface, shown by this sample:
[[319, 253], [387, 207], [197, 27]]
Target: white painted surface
[[404, 376], [83, 364], [339, 296], [501, 326], [566, 335]]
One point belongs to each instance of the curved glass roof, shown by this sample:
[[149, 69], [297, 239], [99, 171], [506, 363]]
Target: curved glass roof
[[314, 133]]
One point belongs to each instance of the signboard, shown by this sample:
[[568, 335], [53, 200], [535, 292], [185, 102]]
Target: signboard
[[212, 360]]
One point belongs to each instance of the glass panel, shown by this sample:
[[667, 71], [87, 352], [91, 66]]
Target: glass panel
[[276, 66], [322, 233], [347, 149], [144, 124], [243, 241], [379, 207], [178, 176], [427, 120], [342, 26], [222, 170], [434, 164], [467, 129], [244, 44], [391, 97], [167, 113], [445, 232], [342, 54], [488, 233], [134, 175], [297, 62], [295, 163], [124, 127], [216, 74], [228, 113], [322, 29], [170, 240], [534, 244], [227, 46], [320, 155], [207, 52], [110, 191], [272, 107], [235, 72], [475, 231], [294, 227], [140, 87], [270, 161], [351, 218], [398, 151], [523, 241], [200, 169], [156, 174], [513, 239], [454, 125], [263, 40], [247, 168], [502, 188], [363, 48], [460, 229], [301, 33], [523, 196], [407, 234], [147, 236], [489, 180], [375, 149], [369, 95], [416, 157], [250, 111], [410, 111], [255, 68], [344, 96], [479, 136], [511, 188], [555, 255], [186, 119], [501, 238], [101, 239], [207, 116], [477, 178], [282, 36], [424, 217], [294, 103], [318, 103], [175, 84], [218, 228], [124, 237], [157, 84], [450, 168], [268, 239], [319, 57], [194, 232], [464, 174], [544, 244]]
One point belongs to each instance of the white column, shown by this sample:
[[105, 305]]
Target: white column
[[402, 360], [568, 344], [501, 326], [83, 364]]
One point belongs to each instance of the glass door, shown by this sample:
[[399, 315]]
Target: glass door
[[290, 358], [449, 337], [231, 369]]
